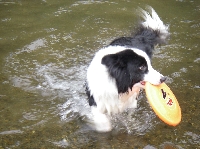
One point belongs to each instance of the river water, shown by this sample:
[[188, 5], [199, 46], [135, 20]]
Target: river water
[[45, 49]]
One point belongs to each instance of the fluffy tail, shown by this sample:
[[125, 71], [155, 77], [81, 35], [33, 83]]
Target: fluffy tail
[[151, 32], [153, 22]]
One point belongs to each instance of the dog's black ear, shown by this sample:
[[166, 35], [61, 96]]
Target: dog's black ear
[[117, 68], [113, 60]]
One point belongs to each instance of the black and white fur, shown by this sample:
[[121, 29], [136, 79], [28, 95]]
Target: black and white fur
[[118, 71]]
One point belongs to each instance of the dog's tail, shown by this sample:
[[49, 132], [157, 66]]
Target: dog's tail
[[152, 27]]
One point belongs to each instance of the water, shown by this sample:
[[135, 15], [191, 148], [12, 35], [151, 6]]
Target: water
[[46, 47]]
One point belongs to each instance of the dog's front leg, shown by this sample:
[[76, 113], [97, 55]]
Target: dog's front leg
[[101, 121]]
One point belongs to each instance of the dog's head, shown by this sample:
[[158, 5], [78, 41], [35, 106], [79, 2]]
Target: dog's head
[[130, 67]]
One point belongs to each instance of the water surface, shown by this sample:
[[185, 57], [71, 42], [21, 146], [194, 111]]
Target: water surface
[[45, 49]]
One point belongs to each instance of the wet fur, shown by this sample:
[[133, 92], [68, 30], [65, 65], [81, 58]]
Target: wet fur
[[118, 71]]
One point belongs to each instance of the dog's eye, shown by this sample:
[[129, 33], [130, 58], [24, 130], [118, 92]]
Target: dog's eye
[[143, 67]]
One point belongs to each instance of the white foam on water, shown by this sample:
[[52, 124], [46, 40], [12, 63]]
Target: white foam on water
[[11, 132], [54, 79]]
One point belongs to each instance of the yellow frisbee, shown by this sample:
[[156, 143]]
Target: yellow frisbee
[[164, 103]]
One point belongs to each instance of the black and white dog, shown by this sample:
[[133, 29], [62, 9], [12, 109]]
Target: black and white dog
[[118, 71]]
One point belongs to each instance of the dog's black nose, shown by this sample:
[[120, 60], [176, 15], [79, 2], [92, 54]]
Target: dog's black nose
[[163, 79]]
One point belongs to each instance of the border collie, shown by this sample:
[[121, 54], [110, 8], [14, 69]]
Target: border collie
[[118, 71]]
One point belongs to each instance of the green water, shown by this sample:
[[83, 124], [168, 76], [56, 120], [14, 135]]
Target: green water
[[45, 49]]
